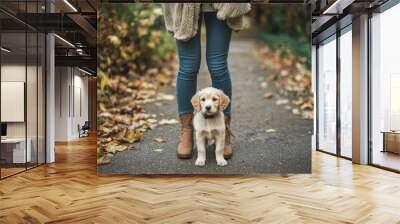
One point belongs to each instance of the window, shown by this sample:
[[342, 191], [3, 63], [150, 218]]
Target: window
[[22, 77], [385, 89], [327, 96], [346, 92]]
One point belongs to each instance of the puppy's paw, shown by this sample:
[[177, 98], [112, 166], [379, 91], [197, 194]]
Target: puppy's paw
[[222, 162], [200, 162]]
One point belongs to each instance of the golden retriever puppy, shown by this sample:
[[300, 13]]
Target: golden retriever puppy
[[209, 123]]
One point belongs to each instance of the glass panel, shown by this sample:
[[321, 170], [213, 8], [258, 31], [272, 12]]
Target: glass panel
[[41, 99], [346, 94], [327, 96], [31, 97], [13, 87], [23, 89], [32, 88], [385, 89]]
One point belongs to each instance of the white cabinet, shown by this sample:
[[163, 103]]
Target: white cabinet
[[19, 155]]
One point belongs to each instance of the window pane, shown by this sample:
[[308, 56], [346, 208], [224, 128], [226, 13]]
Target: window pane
[[386, 89], [346, 94], [14, 153], [327, 96], [31, 97], [41, 99], [22, 88]]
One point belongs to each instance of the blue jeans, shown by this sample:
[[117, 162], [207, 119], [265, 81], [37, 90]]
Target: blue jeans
[[217, 47]]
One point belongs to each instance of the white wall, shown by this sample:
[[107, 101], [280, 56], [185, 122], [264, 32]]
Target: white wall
[[70, 83], [16, 73], [81, 84], [62, 81], [33, 126]]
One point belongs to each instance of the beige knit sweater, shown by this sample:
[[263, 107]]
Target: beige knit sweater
[[181, 19]]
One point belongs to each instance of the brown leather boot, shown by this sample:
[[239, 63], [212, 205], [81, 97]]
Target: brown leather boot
[[228, 151], [185, 146]]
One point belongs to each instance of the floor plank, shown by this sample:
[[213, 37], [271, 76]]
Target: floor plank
[[70, 191]]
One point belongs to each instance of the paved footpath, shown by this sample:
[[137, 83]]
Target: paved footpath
[[288, 150]]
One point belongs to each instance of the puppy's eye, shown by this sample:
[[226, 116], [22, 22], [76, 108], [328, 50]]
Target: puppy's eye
[[203, 99], [214, 99]]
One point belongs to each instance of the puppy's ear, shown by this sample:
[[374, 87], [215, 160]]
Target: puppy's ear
[[196, 102], [223, 101]]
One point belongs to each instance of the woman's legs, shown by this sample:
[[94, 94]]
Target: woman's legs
[[218, 39], [186, 84], [189, 63]]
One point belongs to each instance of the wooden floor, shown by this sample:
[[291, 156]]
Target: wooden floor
[[69, 191], [5, 172], [387, 159]]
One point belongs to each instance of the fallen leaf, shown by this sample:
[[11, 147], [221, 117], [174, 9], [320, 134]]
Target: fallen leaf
[[157, 150], [268, 95], [116, 148], [152, 126], [105, 140], [296, 111], [264, 85], [283, 101], [271, 130], [102, 107], [151, 120], [167, 121], [272, 78], [104, 81], [159, 140], [105, 159], [298, 101], [308, 115], [127, 135], [284, 73], [307, 106], [163, 96]]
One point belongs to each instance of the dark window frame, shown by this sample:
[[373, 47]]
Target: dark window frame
[[29, 29], [381, 9], [333, 37]]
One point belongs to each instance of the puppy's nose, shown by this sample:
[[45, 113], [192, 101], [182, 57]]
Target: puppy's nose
[[208, 107]]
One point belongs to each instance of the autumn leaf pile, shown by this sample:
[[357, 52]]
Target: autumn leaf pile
[[132, 39], [291, 77], [135, 58], [283, 35]]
